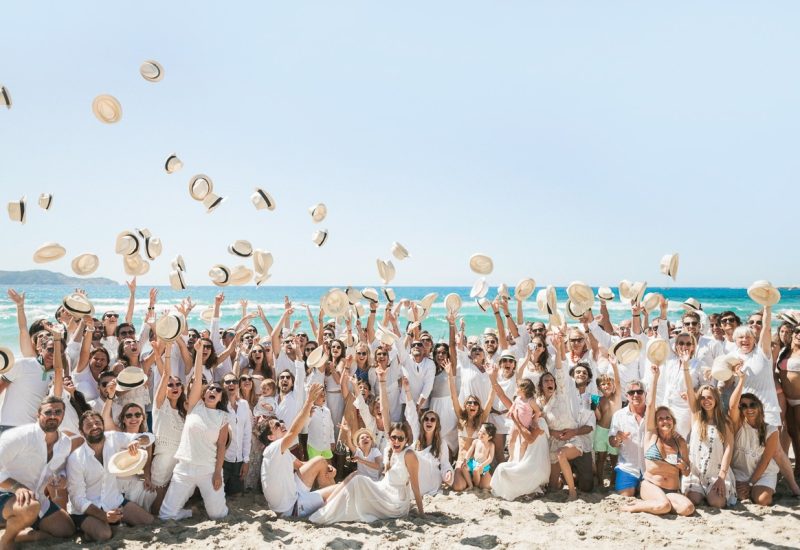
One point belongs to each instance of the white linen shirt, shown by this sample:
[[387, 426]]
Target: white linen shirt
[[241, 422], [631, 453], [28, 385], [290, 404], [320, 428]]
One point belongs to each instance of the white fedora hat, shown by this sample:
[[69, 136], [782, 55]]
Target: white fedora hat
[[107, 109], [637, 291], [452, 302], [78, 304], [6, 359], [399, 251], [386, 271], [241, 275], [555, 319], [388, 293], [605, 294], [575, 310], [669, 265], [651, 301], [502, 290], [546, 300], [358, 309], [178, 264], [220, 275], [262, 200], [524, 289], [177, 280], [479, 289], [131, 378], [151, 71], [173, 164], [412, 309], [318, 212], [387, 336], [625, 290], [127, 243], [49, 252], [788, 317], [262, 278], [316, 359], [334, 303], [481, 264], [370, 294], [691, 304], [763, 293], [207, 314], [427, 301], [212, 201], [200, 186], [484, 304], [124, 464], [152, 248], [353, 295], [17, 211], [46, 201], [319, 237], [135, 265], [657, 351], [85, 264], [170, 326], [241, 248], [262, 261], [580, 294], [627, 350], [5, 97], [722, 367]]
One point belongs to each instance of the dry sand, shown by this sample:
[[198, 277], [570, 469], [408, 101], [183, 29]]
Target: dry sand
[[481, 521]]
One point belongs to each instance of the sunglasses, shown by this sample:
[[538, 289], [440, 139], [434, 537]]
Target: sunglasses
[[174, 385], [575, 340], [111, 315], [754, 323], [230, 382], [362, 353], [208, 346], [127, 334], [245, 379], [133, 415], [429, 419], [50, 350], [690, 323], [727, 321], [416, 345], [216, 389], [472, 403], [397, 438], [257, 351], [53, 412], [537, 330], [635, 392], [747, 406], [714, 325], [490, 341], [381, 354], [284, 378]]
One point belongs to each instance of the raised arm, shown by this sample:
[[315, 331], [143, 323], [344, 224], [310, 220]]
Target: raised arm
[[492, 370], [498, 320], [264, 321], [520, 317], [25, 343], [487, 407], [765, 340], [131, 300], [302, 418], [277, 331], [86, 343], [733, 405], [450, 367], [58, 363], [373, 310], [687, 378], [183, 349], [650, 423], [108, 421], [196, 393], [511, 325], [163, 370]]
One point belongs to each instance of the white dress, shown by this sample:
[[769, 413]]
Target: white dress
[[705, 458], [167, 427], [432, 469], [512, 480], [747, 452], [362, 499], [441, 403]]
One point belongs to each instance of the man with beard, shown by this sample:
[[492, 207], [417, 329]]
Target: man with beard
[[95, 501], [420, 371], [31, 456]]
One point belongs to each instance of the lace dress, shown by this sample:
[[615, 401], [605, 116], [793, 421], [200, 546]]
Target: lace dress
[[705, 457]]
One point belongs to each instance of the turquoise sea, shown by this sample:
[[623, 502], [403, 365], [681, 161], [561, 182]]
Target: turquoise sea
[[42, 301]]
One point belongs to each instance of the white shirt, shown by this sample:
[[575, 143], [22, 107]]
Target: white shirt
[[291, 403], [631, 453], [420, 376], [28, 385], [759, 381], [282, 363], [320, 428], [85, 383], [198, 444], [627, 371], [278, 479], [241, 422], [474, 382]]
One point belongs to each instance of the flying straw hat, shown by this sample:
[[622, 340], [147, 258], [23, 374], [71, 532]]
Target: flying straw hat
[[127, 243], [124, 464], [353, 295], [49, 252], [5, 97], [546, 300], [387, 336], [173, 164], [85, 264], [6, 359], [625, 290], [241, 275], [319, 237], [152, 248], [262, 200], [212, 201], [386, 271], [262, 278], [651, 301], [318, 212], [334, 303], [412, 309], [178, 264], [200, 186], [524, 289], [262, 261], [388, 293], [580, 294], [502, 291], [555, 319], [131, 378], [135, 265], [637, 291], [627, 350], [657, 351], [78, 304], [170, 326], [669, 265], [605, 294], [722, 367], [45, 201], [241, 248], [177, 280], [107, 109], [452, 302], [399, 251], [484, 304], [17, 211], [207, 314], [370, 294], [220, 275], [316, 359], [479, 289], [151, 71], [428, 300], [763, 293], [575, 310], [481, 264]]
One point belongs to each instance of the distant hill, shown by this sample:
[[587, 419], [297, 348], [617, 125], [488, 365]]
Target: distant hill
[[44, 277]]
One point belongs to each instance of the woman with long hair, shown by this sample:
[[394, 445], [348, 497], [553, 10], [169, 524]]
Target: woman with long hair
[[789, 372], [537, 360], [333, 373], [433, 454], [439, 401], [258, 363]]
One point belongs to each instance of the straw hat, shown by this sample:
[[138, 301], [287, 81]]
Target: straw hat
[[690, 304], [78, 304], [353, 295], [49, 252], [420, 311], [669, 265], [481, 264], [386, 271], [370, 294], [5, 97], [135, 265], [6, 359], [546, 300], [484, 304], [605, 294], [107, 109], [262, 200], [789, 317], [127, 243], [178, 264], [637, 291], [318, 212], [85, 264], [358, 309], [627, 350], [722, 368], [479, 289], [651, 301], [152, 248], [16, 210], [200, 186], [524, 289], [575, 310], [177, 280], [399, 251], [334, 303], [763, 293], [241, 248], [170, 326], [220, 275], [241, 275], [388, 293], [45, 201], [428, 301], [131, 378], [212, 201], [625, 289], [502, 291], [207, 314], [124, 464], [262, 261], [387, 336], [262, 278], [657, 351], [555, 319], [319, 237], [316, 359], [452, 302], [151, 71], [173, 164]]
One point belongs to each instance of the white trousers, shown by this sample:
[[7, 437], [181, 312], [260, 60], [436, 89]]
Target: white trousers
[[185, 478]]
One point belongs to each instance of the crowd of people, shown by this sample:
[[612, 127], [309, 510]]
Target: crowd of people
[[358, 419]]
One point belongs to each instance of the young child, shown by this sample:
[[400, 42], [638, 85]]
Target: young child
[[479, 458], [364, 452], [525, 407], [610, 402], [321, 439], [266, 404]]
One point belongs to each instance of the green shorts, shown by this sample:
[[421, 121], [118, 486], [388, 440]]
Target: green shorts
[[312, 452], [601, 444]]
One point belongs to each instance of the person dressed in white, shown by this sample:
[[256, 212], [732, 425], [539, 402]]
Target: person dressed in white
[[237, 456], [433, 453], [359, 498], [420, 372], [529, 473], [286, 481], [320, 430], [201, 450], [95, 499]]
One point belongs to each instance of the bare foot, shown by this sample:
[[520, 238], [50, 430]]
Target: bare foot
[[573, 495]]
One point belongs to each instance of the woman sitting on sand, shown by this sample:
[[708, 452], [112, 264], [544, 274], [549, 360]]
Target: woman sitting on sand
[[789, 372]]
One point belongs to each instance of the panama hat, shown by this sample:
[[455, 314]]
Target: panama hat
[[452, 302], [669, 265], [262, 278], [220, 275], [262, 261], [200, 186], [78, 304], [387, 336], [722, 367], [135, 265], [241, 275], [127, 243], [152, 248], [605, 294], [241, 248], [170, 326], [319, 237], [173, 164], [370, 294], [151, 71], [508, 354], [85, 264], [412, 309], [207, 314], [107, 109], [177, 280], [318, 212], [46, 201], [637, 291], [262, 200], [212, 201], [657, 351], [178, 264], [481, 264], [6, 359], [524, 289], [625, 290], [49, 252], [5, 97], [546, 300], [124, 464], [386, 271], [399, 251], [484, 304], [691, 304], [651, 301], [353, 295], [788, 317], [388, 293], [428, 300], [335, 303], [16, 211], [316, 359], [627, 350], [358, 309], [131, 378], [479, 289], [581, 294], [575, 310], [763, 293], [502, 291], [555, 319]]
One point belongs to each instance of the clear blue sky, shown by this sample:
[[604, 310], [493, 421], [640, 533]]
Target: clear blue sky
[[567, 140]]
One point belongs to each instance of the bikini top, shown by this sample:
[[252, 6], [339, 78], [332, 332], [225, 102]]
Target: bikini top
[[653, 452]]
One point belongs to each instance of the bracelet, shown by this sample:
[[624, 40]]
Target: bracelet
[[508, 316]]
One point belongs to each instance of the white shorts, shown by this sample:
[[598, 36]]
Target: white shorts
[[308, 501]]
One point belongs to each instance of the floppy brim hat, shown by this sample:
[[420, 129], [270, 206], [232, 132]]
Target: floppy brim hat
[[524, 289], [479, 289], [177, 280], [481, 264], [207, 314], [173, 164], [604, 293], [212, 202], [657, 351], [552, 304], [319, 237], [151, 71], [399, 251], [49, 252], [5, 97], [241, 248], [135, 265], [78, 304], [127, 244], [318, 212], [123, 464], [692, 305], [262, 200], [370, 294], [45, 201], [220, 275], [502, 290], [420, 311], [262, 261], [386, 271], [200, 186], [107, 109], [85, 264], [6, 359], [790, 318], [131, 378], [627, 350], [358, 309], [669, 265], [580, 293], [170, 326], [452, 302], [335, 303], [763, 293], [316, 359], [17, 211], [388, 293], [241, 275], [625, 287]]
